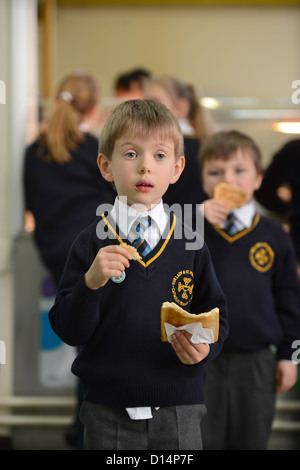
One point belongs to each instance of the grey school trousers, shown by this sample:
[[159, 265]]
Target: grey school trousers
[[171, 428], [240, 401]]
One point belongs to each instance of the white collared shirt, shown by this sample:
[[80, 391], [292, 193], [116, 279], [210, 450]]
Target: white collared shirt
[[244, 215], [125, 216]]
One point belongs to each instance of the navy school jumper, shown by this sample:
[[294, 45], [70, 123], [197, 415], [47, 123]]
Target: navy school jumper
[[257, 271], [122, 360]]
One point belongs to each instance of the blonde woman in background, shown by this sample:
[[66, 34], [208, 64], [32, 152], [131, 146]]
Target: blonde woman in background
[[183, 102], [62, 185]]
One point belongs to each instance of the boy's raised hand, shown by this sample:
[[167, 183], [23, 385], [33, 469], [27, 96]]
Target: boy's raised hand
[[187, 352], [110, 261], [215, 211]]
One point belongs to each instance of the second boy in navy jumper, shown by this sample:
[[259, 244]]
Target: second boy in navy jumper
[[256, 267], [127, 371]]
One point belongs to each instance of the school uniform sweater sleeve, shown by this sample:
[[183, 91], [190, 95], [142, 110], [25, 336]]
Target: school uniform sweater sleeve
[[76, 311], [286, 297], [208, 289]]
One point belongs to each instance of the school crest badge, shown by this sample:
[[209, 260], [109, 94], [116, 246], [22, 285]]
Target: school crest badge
[[261, 256], [183, 286]]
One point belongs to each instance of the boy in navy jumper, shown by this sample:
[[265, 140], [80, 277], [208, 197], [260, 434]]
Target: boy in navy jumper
[[256, 267], [140, 393]]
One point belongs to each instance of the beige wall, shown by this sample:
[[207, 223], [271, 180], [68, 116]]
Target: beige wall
[[232, 51], [238, 51]]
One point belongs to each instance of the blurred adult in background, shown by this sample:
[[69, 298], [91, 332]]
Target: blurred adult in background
[[182, 100], [62, 185], [280, 190], [128, 85]]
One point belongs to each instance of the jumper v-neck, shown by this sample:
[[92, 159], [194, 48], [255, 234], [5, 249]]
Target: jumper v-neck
[[157, 250]]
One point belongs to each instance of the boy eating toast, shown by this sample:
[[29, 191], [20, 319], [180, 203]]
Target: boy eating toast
[[256, 266], [140, 392]]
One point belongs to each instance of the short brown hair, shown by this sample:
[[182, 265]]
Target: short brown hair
[[223, 144], [140, 117]]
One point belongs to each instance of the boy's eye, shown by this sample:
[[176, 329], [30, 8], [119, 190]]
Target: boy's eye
[[160, 156], [239, 170], [215, 173], [130, 155]]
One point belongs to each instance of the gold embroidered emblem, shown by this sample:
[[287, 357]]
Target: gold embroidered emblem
[[182, 287], [261, 256]]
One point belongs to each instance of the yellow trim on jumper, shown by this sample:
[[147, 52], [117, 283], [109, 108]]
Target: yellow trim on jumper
[[239, 234], [157, 254]]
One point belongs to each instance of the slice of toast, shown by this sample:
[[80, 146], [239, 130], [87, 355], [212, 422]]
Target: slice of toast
[[230, 195], [132, 251], [177, 316]]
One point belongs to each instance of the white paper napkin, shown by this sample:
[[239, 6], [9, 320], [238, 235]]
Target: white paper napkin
[[199, 334]]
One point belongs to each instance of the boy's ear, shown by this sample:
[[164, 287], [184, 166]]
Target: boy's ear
[[104, 167], [178, 169], [258, 181]]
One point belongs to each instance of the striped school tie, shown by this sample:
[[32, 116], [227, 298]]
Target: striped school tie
[[230, 226], [139, 227]]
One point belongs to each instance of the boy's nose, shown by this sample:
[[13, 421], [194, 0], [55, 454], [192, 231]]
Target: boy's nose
[[144, 170], [144, 166], [229, 178]]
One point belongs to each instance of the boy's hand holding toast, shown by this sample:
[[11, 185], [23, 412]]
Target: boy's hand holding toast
[[225, 198], [188, 352], [110, 261], [215, 211]]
